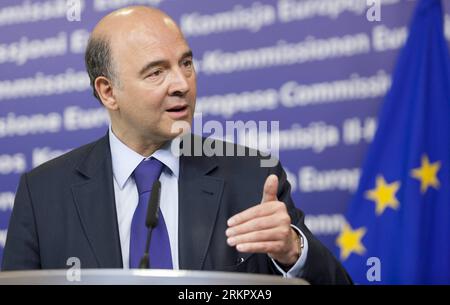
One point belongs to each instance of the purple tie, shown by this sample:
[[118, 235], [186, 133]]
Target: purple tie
[[145, 174]]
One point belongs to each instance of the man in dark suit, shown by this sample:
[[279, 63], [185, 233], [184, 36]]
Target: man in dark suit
[[87, 203]]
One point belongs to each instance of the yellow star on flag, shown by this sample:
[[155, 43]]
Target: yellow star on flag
[[427, 174], [349, 241], [384, 195]]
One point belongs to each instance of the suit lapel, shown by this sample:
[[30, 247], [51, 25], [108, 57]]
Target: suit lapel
[[199, 200], [95, 202]]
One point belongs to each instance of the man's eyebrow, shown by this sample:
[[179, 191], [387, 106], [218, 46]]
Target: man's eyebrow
[[187, 54], [163, 62]]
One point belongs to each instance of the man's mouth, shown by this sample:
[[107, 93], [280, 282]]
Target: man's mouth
[[178, 108], [178, 112]]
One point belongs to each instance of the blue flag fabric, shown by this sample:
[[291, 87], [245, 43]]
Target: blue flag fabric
[[398, 223]]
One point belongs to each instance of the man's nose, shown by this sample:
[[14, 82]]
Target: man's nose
[[179, 85]]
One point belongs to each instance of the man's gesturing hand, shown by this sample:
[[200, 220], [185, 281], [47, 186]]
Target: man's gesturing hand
[[265, 228]]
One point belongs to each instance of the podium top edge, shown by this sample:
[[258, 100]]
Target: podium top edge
[[141, 277]]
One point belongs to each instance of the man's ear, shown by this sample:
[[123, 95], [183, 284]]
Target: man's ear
[[104, 88]]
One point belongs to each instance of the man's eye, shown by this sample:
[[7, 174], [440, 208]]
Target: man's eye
[[155, 73], [187, 63]]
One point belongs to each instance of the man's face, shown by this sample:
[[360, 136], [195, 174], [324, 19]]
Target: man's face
[[157, 81]]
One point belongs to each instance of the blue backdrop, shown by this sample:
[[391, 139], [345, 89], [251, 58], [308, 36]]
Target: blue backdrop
[[317, 66]]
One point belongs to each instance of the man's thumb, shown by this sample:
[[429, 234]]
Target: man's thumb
[[270, 189]]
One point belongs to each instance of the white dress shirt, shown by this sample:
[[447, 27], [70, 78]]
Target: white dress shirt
[[124, 162]]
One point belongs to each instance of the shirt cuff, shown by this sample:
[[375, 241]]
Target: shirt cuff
[[297, 269]]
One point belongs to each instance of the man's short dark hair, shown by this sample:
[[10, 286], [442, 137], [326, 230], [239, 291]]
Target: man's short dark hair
[[98, 60]]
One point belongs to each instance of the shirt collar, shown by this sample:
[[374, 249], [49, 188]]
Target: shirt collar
[[125, 160]]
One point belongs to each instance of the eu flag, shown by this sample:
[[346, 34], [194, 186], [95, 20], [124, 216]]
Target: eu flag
[[398, 223]]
